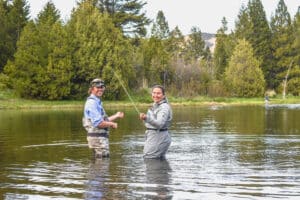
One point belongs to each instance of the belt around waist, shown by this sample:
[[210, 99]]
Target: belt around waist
[[98, 135], [154, 129]]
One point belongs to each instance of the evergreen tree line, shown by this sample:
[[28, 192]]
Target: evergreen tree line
[[274, 47], [47, 58]]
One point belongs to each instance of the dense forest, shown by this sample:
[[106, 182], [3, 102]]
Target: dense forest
[[48, 58]]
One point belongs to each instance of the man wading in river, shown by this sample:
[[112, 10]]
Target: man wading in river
[[96, 122]]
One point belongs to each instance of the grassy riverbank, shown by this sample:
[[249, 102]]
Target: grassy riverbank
[[9, 101]]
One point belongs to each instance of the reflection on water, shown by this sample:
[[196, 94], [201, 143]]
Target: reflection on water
[[282, 106], [218, 152], [97, 176], [158, 172]]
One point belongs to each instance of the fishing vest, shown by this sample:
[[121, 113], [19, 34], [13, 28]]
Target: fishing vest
[[94, 131]]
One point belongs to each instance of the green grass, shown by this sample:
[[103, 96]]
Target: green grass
[[8, 100]]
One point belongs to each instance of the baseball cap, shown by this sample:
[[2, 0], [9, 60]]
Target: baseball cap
[[97, 82]]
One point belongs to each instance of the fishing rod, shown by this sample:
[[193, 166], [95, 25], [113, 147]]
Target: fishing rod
[[123, 86]]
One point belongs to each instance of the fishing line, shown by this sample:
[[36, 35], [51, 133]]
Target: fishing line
[[121, 82]]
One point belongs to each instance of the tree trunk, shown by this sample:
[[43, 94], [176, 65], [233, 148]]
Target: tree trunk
[[285, 81], [145, 83]]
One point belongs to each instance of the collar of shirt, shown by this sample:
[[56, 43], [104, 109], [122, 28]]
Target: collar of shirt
[[161, 102], [92, 96]]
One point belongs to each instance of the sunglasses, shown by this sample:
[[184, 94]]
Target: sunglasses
[[100, 87]]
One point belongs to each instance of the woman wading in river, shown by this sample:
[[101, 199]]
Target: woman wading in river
[[157, 121]]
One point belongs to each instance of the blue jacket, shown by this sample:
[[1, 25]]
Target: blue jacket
[[93, 115]]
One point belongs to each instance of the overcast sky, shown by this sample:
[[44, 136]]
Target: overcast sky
[[205, 14]]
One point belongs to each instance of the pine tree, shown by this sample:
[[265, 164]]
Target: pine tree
[[175, 47], [281, 43], [175, 43], [13, 17], [98, 50], [41, 68], [296, 45], [18, 16], [6, 40], [260, 39], [49, 15], [126, 14], [156, 62], [160, 28], [222, 50], [156, 68], [59, 67], [243, 77], [244, 26], [294, 78], [195, 46]]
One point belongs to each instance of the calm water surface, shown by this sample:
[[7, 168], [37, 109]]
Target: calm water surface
[[231, 152]]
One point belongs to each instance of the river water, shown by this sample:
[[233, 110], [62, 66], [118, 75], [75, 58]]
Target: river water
[[217, 152]]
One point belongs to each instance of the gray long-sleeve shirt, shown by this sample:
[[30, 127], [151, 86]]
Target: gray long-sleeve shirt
[[159, 116], [157, 142]]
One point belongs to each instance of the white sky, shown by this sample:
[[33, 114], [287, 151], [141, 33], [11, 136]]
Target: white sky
[[205, 14]]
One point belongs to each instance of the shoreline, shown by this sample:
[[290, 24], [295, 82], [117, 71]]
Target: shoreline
[[20, 104]]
